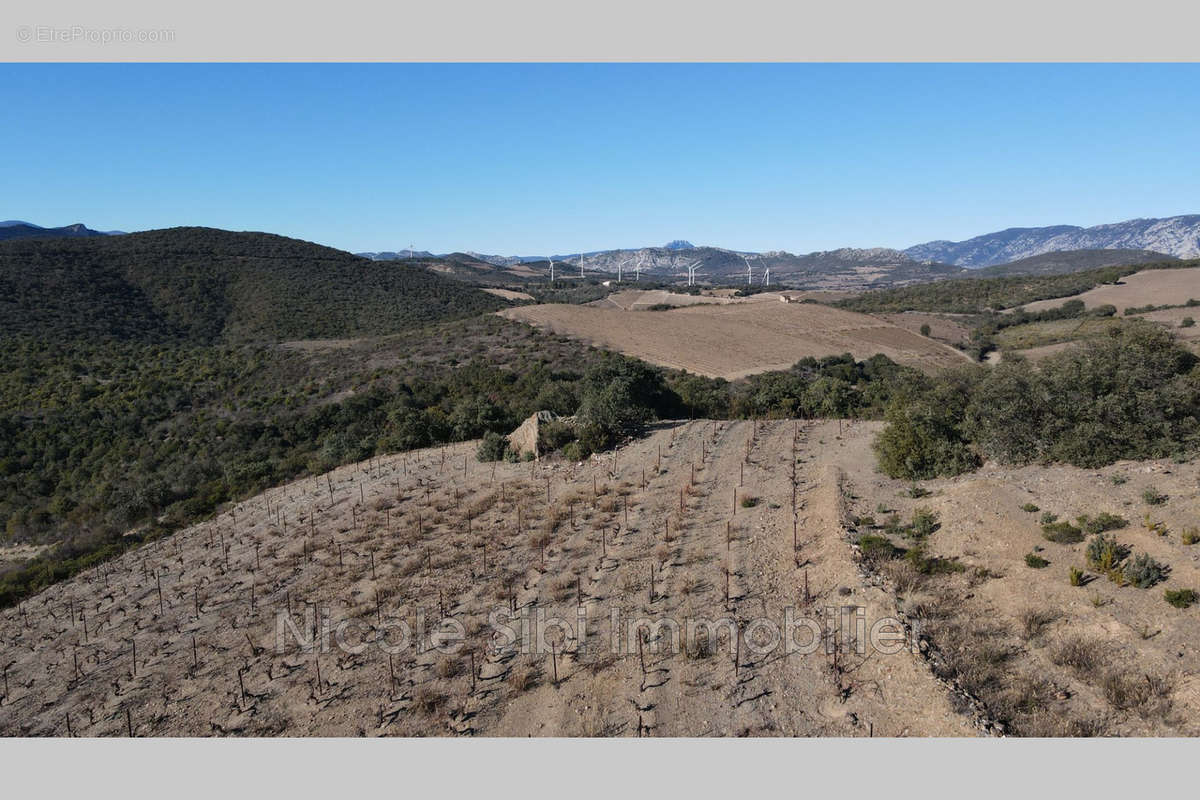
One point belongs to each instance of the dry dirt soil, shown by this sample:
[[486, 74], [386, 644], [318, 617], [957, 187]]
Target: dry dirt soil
[[693, 522], [741, 338], [947, 328], [1052, 658], [436, 533], [1151, 287], [508, 294]]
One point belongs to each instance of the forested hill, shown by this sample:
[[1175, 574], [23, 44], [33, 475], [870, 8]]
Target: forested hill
[[204, 286]]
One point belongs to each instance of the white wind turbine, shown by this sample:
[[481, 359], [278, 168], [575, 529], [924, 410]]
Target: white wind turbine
[[581, 265], [410, 251], [692, 272], [638, 275], [551, 270], [621, 264], [749, 271]]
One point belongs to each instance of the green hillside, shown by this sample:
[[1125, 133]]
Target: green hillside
[[209, 286]]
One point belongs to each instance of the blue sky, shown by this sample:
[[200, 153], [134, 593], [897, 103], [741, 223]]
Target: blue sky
[[534, 159]]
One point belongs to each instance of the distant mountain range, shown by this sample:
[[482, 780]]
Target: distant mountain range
[[1057, 248], [1173, 236], [16, 229]]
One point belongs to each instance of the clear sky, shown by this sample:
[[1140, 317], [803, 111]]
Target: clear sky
[[533, 159]]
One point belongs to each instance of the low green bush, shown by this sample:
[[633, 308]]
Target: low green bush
[[1143, 571], [878, 548], [1152, 497], [1062, 533], [1180, 598]]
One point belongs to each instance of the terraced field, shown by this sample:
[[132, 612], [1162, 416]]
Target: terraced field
[[646, 593], [693, 523]]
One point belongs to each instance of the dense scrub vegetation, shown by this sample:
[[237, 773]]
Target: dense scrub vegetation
[[1133, 393], [207, 286], [977, 295], [994, 328], [99, 438]]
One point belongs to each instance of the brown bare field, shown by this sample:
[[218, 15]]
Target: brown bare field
[[635, 300], [1150, 287], [943, 327], [435, 534], [508, 294], [739, 339]]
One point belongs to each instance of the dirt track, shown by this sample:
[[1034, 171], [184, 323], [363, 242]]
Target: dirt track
[[738, 339]]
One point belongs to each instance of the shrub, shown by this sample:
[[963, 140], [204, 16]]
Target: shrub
[[1117, 480], [1180, 598], [924, 522], [1081, 655], [1152, 497], [917, 492], [492, 447], [1103, 522], [1143, 571], [1062, 533], [749, 502], [931, 565], [1035, 561], [1103, 553], [925, 328], [574, 451], [1030, 507], [1034, 620], [1187, 322], [1048, 518], [1075, 576], [877, 548], [923, 438], [1190, 536], [521, 677], [554, 435]]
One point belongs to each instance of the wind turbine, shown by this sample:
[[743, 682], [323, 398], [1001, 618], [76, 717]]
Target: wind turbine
[[551, 270], [692, 272], [581, 265], [619, 266], [410, 252], [767, 277], [638, 275], [749, 271]]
